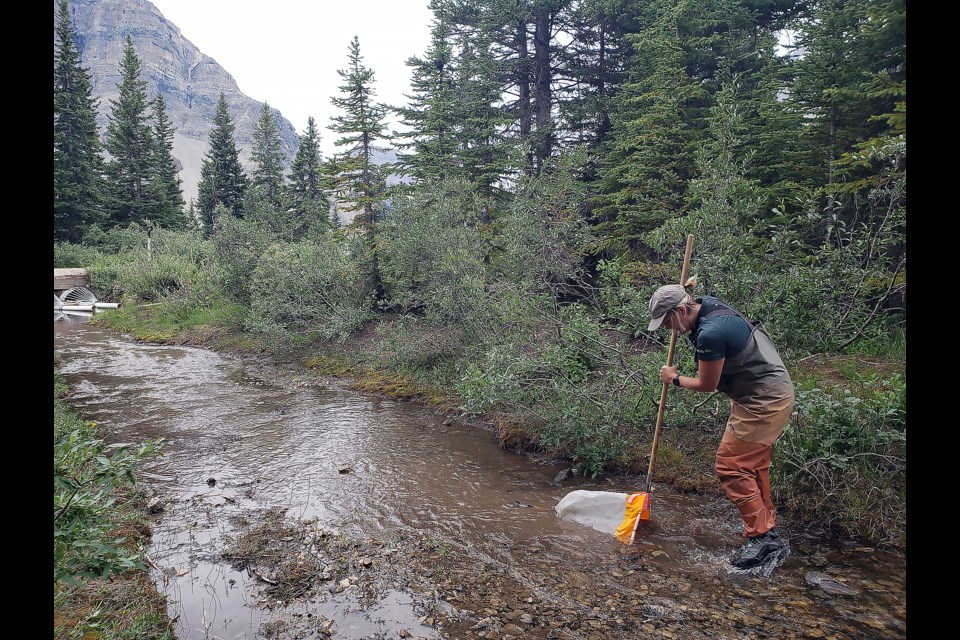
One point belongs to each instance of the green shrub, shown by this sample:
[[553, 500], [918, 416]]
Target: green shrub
[[430, 251], [305, 289], [137, 264], [237, 247], [73, 256], [583, 392], [843, 457]]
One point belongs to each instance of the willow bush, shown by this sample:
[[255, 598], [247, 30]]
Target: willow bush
[[67, 255], [306, 290], [843, 458], [576, 391], [237, 247], [142, 263], [431, 250]]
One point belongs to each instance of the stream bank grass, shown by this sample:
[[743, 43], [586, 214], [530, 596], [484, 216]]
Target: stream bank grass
[[125, 607], [168, 321]]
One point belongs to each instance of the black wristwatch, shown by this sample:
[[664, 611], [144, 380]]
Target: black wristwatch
[[676, 380]]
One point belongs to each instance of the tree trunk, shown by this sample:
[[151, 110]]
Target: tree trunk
[[542, 77]]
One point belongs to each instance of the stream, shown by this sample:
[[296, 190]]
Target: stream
[[403, 522]]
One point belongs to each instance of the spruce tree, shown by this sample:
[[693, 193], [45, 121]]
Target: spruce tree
[[682, 54], [595, 64], [644, 175], [165, 180], [222, 179], [354, 175], [304, 197], [431, 114], [849, 81], [488, 155], [131, 147], [77, 163], [267, 176]]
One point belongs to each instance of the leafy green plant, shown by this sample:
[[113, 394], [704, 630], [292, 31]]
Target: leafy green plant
[[87, 475], [237, 247], [87, 472], [321, 290], [843, 457], [67, 255], [140, 264], [431, 251]]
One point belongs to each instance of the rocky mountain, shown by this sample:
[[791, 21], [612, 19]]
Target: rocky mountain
[[189, 80]]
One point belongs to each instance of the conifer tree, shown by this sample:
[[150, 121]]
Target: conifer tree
[[682, 54], [594, 63], [131, 147], [222, 179], [431, 114], [484, 149], [849, 81], [644, 175], [77, 163], [305, 199], [773, 130], [353, 174], [165, 180], [267, 176]]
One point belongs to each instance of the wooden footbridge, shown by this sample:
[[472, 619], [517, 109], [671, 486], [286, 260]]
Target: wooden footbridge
[[64, 279]]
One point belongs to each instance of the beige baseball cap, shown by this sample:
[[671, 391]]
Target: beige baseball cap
[[662, 301]]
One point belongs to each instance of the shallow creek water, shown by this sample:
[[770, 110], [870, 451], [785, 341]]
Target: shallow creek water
[[240, 440]]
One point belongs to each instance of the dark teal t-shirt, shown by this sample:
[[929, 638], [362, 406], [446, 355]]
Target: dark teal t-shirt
[[720, 336]]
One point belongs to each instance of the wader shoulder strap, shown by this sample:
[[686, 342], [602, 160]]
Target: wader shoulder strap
[[730, 311]]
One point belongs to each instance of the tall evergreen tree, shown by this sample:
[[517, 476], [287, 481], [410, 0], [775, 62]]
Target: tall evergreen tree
[[773, 130], [431, 113], [644, 175], [456, 125], [683, 53], [131, 146], [267, 176], [165, 180], [594, 64], [486, 152], [826, 88], [77, 163], [222, 179], [521, 36], [850, 83], [354, 175], [305, 198]]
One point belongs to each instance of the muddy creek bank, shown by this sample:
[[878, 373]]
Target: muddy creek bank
[[288, 508]]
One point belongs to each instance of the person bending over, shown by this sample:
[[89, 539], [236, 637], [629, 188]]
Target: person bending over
[[736, 357]]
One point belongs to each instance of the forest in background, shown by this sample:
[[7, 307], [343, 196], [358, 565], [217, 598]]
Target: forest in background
[[555, 155]]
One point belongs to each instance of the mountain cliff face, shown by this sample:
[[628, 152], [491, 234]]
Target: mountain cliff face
[[189, 80]]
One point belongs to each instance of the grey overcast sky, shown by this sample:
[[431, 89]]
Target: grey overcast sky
[[287, 52]]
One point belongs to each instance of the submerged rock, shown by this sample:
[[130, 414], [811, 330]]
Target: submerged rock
[[829, 585]]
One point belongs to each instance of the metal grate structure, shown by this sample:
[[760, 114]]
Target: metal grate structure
[[78, 295]]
